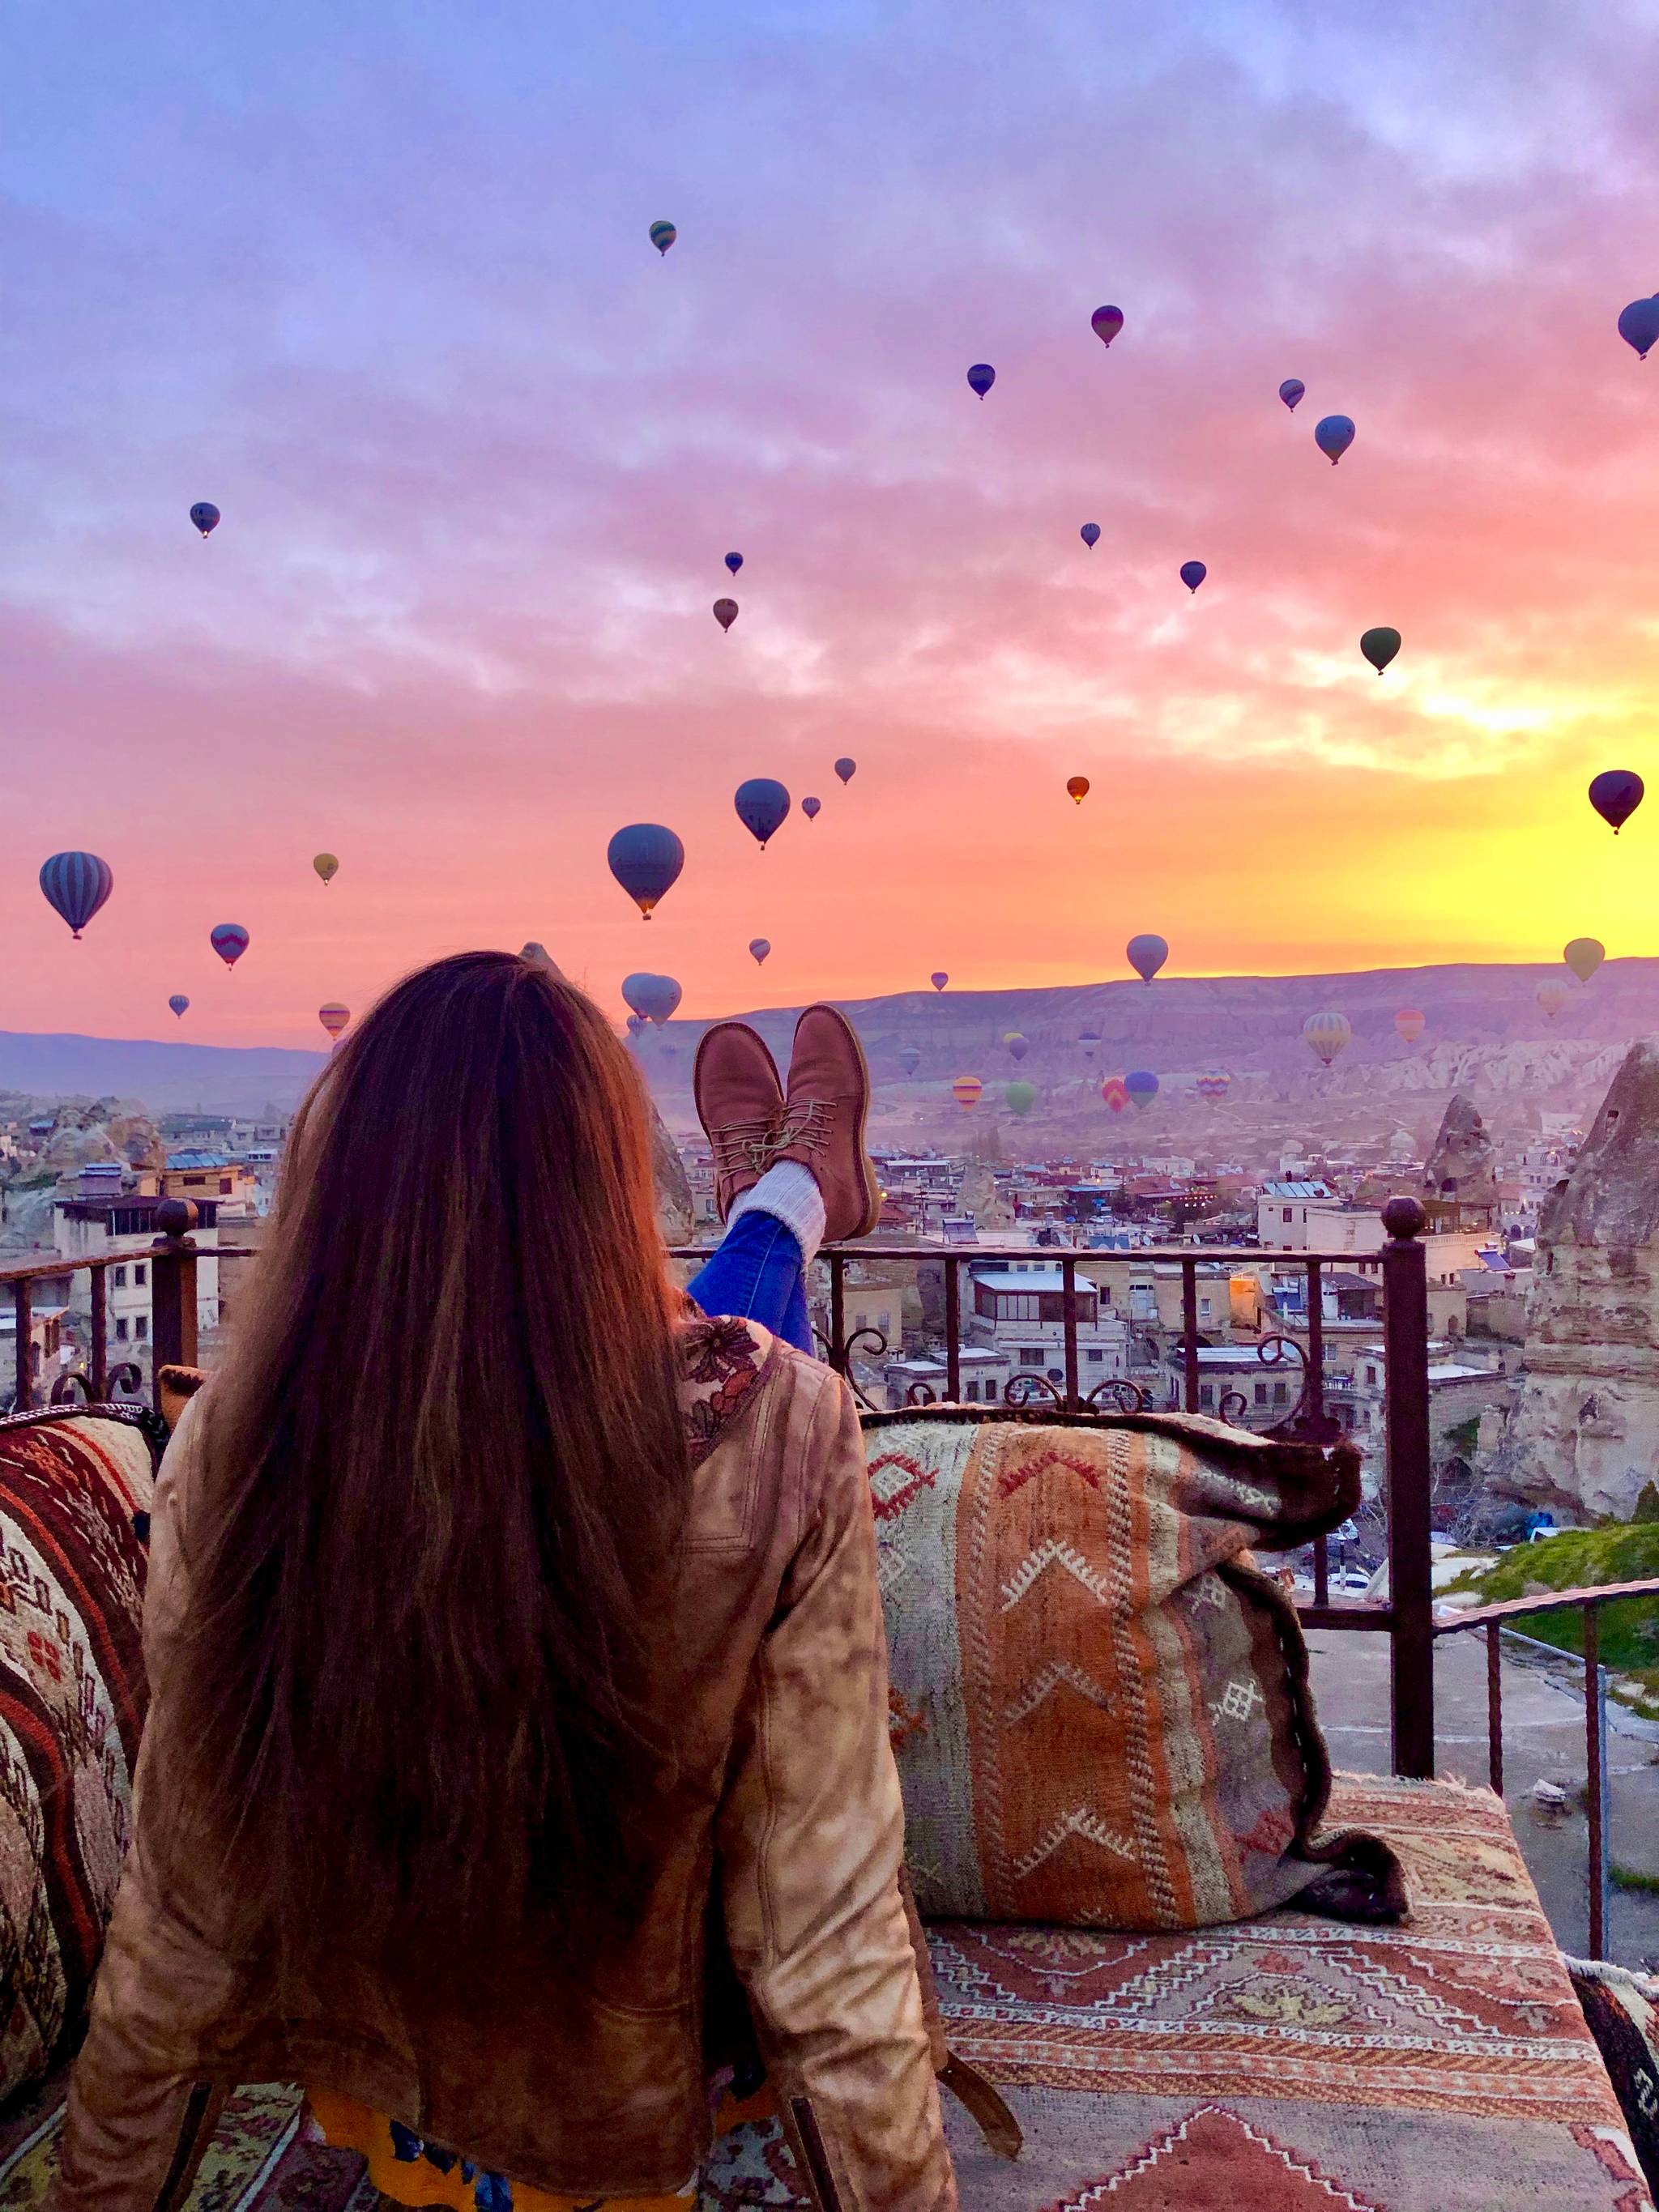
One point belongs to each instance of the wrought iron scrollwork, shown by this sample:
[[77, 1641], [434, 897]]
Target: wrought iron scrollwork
[[1305, 1423], [1127, 1397], [1232, 1408], [71, 1388], [1019, 1390], [844, 1364], [921, 1394]]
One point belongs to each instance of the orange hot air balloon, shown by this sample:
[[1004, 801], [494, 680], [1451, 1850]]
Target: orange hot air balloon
[[966, 1090], [1077, 785], [334, 1017], [1115, 1093], [1409, 1023]]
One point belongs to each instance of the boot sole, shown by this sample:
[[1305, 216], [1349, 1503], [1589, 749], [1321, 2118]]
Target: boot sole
[[866, 1170]]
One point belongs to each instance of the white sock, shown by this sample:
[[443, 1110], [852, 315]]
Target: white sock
[[790, 1194]]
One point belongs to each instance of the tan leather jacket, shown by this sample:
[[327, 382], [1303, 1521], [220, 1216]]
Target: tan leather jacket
[[788, 1864]]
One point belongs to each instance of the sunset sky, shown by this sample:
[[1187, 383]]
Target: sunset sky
[[376, 280]]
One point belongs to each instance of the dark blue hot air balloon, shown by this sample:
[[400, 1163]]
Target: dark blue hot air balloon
[[847, 769], [76, 885], [734, 562], [229, 940], [1333, 435], [1142, 1087], [658, 995], [1193, 573], [1615, 794], [981, 377], [1089, 534], [761, 803], [180, 1004], [206, 515], [810, 807], [1291, 391], [646, 859], [1639, 326]]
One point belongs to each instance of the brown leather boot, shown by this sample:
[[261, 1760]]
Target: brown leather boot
[[740, 1104], [823, 1118]]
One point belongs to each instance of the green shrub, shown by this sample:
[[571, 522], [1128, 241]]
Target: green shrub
[[1586, 1559]]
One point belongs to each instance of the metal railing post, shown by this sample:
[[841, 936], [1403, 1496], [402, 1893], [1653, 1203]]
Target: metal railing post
[[953, 1331], [837, 1313], [1068, 1330], [23, 1301], [98, 1363], [1495, 1708], [1406, 1354], [1596, 1794], [171, 1290], [1189, 1333]]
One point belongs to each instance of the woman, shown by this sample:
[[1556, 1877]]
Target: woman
[[516, 1657]]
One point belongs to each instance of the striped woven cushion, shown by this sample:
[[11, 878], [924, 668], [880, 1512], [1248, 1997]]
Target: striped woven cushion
[[1100, 1709], [74, 1494]]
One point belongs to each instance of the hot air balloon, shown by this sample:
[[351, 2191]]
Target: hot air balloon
[[810, 807], [229, 940], [725, 613], [658, 997], [846, 768], [1142, 1087], [663, 235], [1193, 573], [76, 885], [1585, 956], [646, 859], [1552, 997], [326, 867], [938, 979], [1639, 326], [1215, 1084], [909, 1058], [636, 989], [760, 946], [1021, 1097], [761, 803], [1333, 435], [1089, 534], [1615, 794], [1326, 1034], [1380, 647], [1018, 1045], [1115, 1092], [734, 562], [1409, 1023], [334, 1017], [1077, 787], [981, 377], [1088, 1039], [206, 515], [966, 1090], [636, 1023], [180, 1004], [1291, 391], [1106, 323], [1147, 955]]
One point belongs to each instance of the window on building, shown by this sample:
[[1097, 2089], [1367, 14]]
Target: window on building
[[1032, 1356], [141, 1273], [1290, 1213], [224, 1185], [120, 1279], [1205, 1395], [1370, 1376], [1096, 1358], [141, 1327], [1261, 1394], [1204, 1309], [1280, 1393], [121, 1327], [970, 1392]]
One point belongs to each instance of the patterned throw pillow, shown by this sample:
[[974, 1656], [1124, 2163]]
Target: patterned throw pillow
[[74, 1494], [1623, 2012], [1100, 1709]]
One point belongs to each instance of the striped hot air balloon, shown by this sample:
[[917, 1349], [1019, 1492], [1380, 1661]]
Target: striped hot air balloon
[[229, 940], [663, 235], [76, 885], [1325, 1034], [180, 1004], [966, 1090], [1409, 1023], [1142, 1087], [1114, 1093], [334, 1017], [1214, 1084]]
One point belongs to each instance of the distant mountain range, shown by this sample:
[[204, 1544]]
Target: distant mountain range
[[1484, 1031], [168, 1078]]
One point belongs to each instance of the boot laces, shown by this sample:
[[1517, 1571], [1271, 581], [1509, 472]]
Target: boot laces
[[741, 1146]]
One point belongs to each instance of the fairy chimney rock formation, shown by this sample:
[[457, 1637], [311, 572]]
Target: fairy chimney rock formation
[[1461, 1168], [1584, 1433]]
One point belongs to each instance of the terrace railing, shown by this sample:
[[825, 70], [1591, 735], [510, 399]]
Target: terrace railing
[[1406, 1617]]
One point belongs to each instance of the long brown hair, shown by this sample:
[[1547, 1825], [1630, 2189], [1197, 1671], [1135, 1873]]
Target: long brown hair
[[441, 1479]]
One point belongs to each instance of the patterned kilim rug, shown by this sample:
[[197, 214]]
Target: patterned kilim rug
[[1284, 2064]]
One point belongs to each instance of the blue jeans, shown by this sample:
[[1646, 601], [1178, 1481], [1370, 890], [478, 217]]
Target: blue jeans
[[757, 1273]]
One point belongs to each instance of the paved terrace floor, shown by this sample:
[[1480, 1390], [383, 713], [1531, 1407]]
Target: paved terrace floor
[[1543, 1740]]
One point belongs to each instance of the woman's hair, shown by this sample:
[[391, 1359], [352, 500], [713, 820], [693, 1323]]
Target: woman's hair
[[441, 1480]]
